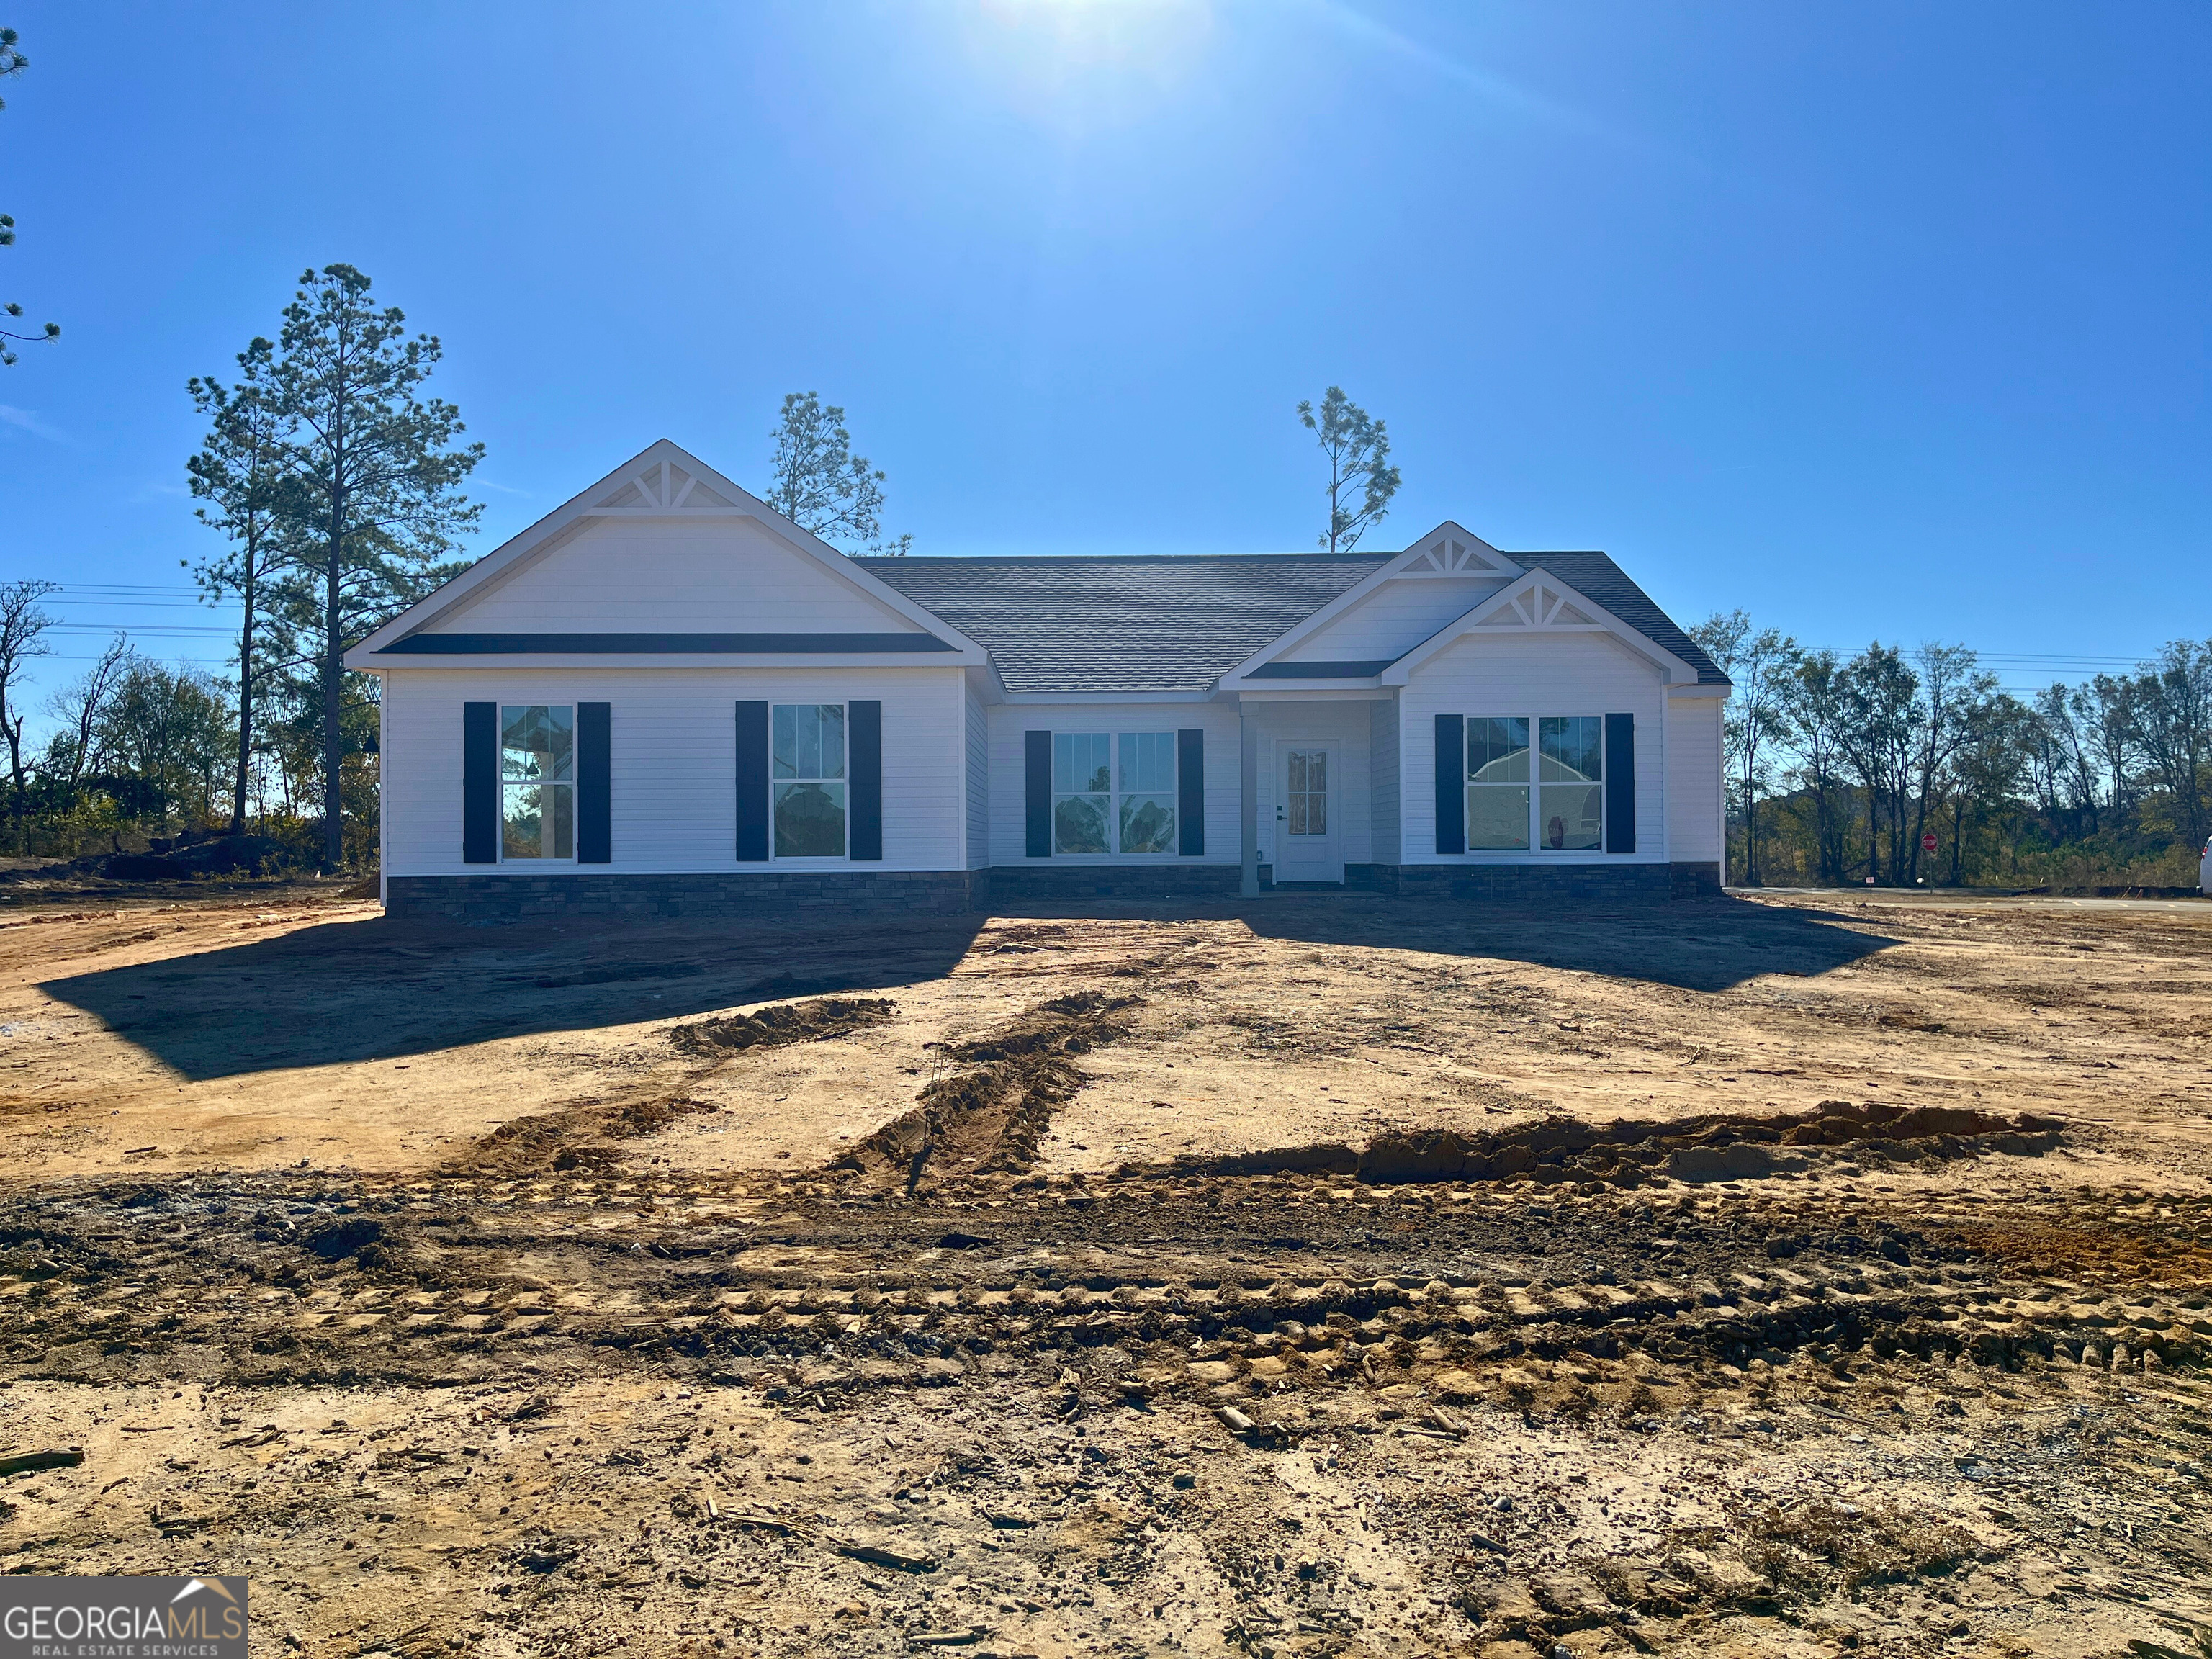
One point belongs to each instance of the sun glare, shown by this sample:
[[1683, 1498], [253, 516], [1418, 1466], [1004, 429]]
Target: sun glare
[[1087, 60]]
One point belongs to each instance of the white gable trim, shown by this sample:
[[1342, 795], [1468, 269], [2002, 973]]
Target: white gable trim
[[1446, 552], [1540, 603], [665, 481]]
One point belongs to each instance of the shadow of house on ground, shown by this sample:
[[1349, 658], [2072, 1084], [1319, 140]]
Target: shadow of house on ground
[[1699, 945], [380, 989]]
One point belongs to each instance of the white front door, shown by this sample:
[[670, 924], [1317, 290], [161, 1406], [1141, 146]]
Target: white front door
[[1308, 845]]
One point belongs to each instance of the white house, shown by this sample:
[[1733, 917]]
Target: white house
[[665, 697]]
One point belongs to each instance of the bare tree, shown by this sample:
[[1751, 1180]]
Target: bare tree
[[80, 707], [23, 624]]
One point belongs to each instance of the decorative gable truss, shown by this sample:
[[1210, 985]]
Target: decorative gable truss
[[664, 481], [1540, 603], [1450, 552], [1536, 602], [659, 489]]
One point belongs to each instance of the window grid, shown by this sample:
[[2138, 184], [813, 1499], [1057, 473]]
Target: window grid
[[538, 781], [1113, 794], [806, 780], [1558, 809]]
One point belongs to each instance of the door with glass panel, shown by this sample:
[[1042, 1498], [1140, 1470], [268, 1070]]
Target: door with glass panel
[[1308, 795]]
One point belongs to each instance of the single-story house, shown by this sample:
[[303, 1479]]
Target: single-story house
[[664, 697]]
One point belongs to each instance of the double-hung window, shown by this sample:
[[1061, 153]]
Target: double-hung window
[[807, 779], [1561, 809], [1570, 783], [1497, 784], [1113, 794], [538, 781]]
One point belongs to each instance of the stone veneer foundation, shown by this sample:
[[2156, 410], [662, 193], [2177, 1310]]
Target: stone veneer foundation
[[950, 892]]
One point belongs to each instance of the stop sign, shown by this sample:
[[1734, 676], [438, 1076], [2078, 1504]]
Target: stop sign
[[1928, 842]]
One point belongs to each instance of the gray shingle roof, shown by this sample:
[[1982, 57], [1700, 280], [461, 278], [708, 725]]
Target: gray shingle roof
[[1595, 576], [1179, 622], [1147, 622]]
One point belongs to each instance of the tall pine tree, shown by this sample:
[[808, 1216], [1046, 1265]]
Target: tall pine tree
[[238, 475], [371, 484]]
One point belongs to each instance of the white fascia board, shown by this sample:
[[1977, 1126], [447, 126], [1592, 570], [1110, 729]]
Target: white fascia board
[[1359, 692], [1108, 696], [1359, 591], [683, 660], [1686, 691], [1670, 665], [505, 560]]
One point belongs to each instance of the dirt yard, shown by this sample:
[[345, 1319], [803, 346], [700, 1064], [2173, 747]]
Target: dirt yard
[[1783, 1277]]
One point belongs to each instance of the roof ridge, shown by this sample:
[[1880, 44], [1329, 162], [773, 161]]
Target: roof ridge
[[913, 559]]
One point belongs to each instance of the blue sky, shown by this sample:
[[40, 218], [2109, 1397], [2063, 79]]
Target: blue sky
[[1874, 321]]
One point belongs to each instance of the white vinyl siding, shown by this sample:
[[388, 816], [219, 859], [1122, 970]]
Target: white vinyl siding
[[673, 764], [1393, 619], [1533, 675], [1693, 770], [1382, 741], [691, 576], [977, 726]]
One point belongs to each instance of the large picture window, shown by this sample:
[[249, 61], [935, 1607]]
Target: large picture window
[[1560, 809], [538, 781], [807, 779], [1113, 794]]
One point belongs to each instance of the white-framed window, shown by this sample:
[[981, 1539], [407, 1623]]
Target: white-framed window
[[1570, 783], [807, 779], [1497, 783], [538, 781], [1113, 794], [1561, 808]]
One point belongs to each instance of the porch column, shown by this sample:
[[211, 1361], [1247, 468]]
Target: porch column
[[1247, 795]]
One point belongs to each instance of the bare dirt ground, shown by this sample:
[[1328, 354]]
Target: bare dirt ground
[[1792, 1276]]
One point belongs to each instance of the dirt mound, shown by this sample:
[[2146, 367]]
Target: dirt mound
[[1717, 1147], [992, 1114], [787, 1022], [574, 1137]]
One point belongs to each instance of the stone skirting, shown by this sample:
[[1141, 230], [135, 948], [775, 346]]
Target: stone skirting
[[1512, 883], [1014, 883], [947, 892], [523, 898]]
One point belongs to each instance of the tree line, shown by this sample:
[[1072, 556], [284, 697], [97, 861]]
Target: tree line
[[1840, 768]]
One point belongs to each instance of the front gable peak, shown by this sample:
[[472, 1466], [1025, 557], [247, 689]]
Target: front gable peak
[[1449, 550], [665, 484], [1540, 603]]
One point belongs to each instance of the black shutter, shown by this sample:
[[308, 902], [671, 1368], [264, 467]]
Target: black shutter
[[594, 805], [752, 782], [864, 773], [1451, 783], [480, 783], [1190, 793], [1036, 791], [1620, 783]]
